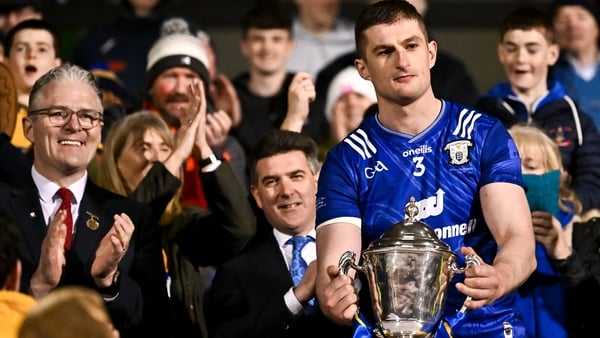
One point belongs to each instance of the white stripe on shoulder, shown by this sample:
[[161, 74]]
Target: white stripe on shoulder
[[466, 123], [359, 141], [346, 219]]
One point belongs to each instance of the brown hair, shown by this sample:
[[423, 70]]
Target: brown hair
[[68, 311]]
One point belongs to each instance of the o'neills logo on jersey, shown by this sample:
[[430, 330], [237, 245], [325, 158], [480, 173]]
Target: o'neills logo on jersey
[[458, 151], [423, 149], [456, 230]]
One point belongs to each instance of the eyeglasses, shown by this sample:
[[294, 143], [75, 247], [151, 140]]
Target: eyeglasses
[[59, 116]]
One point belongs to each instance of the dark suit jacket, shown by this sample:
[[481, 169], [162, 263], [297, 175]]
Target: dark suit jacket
[[246, 300], [142, 293]]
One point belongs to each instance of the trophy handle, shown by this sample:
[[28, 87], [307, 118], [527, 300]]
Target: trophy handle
[[347, 261], [471, 261]]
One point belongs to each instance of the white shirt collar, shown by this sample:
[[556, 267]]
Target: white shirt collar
[[47, 189]]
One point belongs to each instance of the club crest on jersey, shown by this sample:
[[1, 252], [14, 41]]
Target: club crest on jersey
[[459, 151]]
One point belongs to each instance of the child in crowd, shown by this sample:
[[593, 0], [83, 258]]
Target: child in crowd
[[30, 49], [526, 50], [554, 208]]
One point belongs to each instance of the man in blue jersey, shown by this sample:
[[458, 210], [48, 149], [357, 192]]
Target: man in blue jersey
[[460, 165]]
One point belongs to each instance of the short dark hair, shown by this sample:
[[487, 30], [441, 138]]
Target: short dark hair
[[10, 241], [384, 12], [32, 24], [280, 142], [528, 18], [266, 16]]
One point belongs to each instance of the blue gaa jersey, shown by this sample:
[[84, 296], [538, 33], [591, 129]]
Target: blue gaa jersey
[[369, 177]]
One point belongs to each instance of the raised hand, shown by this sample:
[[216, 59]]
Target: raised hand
[[111, 250], [224, 97], [52, 258], [191, 121], [300, 94]]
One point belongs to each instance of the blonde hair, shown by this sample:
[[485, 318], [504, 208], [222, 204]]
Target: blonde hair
[[69, 311], [530, 139], [133, 127]]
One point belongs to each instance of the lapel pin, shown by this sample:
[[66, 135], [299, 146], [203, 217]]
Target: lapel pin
[[93, 222], [32, 214]]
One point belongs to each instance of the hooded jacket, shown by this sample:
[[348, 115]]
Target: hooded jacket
[[573, 131]]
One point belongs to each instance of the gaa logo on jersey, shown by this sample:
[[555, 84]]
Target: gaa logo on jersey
[[459, 151]]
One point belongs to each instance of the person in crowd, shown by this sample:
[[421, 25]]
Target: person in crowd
[[526, 49], [14, 304], [542, 299], [348, 98], [69, 311], [141, 160], [174, 62], [31, 49], [122, 44], [221, 92], [14, 11], [567, 245], [577, 27], [460, 165], [267, 90], [269, 290], [321, 34], [74, 231]]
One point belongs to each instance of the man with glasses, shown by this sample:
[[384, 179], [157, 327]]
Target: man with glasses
[[74, 231]]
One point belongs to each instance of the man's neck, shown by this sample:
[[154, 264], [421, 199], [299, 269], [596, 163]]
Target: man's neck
[[410, 118]]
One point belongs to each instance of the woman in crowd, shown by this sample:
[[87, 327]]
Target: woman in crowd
[[142, 160]]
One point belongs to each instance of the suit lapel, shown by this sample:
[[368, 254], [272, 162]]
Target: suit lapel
[[29, 215]]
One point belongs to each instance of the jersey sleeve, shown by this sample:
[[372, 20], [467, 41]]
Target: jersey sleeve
[[337, 194], [500, 160]]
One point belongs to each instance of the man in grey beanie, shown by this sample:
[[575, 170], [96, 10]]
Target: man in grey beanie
[[175, 61]]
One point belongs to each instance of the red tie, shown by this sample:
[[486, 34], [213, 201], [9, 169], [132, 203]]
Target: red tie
[[66, 196]]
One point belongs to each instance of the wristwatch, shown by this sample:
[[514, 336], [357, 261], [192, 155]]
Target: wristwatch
[[212, 159]]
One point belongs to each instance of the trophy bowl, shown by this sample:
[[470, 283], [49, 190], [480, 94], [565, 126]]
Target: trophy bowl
[[408, 269]]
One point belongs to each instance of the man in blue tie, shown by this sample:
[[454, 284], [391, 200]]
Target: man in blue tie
[[269, 291]]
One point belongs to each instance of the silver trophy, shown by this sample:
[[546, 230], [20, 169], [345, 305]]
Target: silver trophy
[[408, 269]]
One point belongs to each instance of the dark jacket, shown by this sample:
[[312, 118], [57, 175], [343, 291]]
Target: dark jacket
[[581, 274], [572, 130], [246, 300], [260, 115], [140, 306], [198, 239]]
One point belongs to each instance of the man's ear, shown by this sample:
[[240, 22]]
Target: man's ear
[[28, 128], [254, 192], [359, 64], [432, 48], [13, 280]]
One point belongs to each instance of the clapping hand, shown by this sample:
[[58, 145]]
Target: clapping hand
[[111, 250], [52, 258]]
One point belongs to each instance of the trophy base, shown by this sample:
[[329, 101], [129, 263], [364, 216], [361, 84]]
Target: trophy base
[[394, 329]]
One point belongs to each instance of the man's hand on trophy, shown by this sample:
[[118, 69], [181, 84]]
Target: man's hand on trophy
[[339, 299], [482, 283]]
